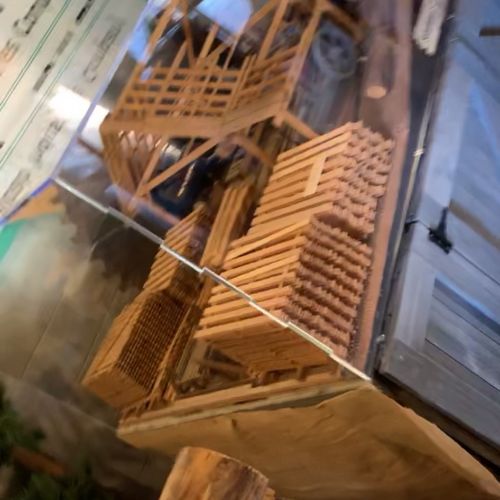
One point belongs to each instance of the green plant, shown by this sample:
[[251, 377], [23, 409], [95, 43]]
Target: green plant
[[80, 486], [13, 432], [15, 436]]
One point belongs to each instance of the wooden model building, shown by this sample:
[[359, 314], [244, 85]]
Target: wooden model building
[[210, 96], [305, 258]]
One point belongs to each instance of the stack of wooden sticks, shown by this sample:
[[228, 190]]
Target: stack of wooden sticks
[[306, 256], [145, 336], [125, 367], [343, 173], [187, 238], [228, 224]]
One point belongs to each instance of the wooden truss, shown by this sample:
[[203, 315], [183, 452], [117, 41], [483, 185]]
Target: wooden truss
[[208, 97]]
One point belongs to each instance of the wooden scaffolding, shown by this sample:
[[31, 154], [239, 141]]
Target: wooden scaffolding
[[209, 97]]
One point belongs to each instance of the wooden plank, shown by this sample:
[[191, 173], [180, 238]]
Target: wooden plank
[[298, 125], [263, 394], [275, 266], [444, 390], [251, 242], [273, 29], [314, 176], [221, 294], [348, 128], [291, 251], [246, 326], [255, 256], [467, 345], [193, 91], [237, 302], [237, 315]]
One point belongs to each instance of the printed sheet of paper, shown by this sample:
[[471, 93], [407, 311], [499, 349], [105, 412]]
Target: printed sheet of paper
[[55, 57]]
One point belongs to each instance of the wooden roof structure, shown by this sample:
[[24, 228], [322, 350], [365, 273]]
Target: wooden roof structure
[[209, 96]]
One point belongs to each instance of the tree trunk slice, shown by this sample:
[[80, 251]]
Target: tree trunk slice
[[201, 474]]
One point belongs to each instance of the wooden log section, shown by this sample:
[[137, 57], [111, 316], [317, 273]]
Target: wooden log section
[[201, 474]]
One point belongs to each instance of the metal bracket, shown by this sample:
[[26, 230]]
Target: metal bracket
[[438, 234]]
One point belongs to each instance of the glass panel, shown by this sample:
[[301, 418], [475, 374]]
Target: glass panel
[[111, 310], [232, 144]]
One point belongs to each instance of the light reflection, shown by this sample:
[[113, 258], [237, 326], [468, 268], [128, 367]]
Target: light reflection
[[230, 14]]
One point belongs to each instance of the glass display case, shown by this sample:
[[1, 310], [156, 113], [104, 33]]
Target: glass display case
[[236, 143]]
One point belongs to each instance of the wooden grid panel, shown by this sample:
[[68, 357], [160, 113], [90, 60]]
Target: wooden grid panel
[[268, 84], [148, 336], [311, 274], [343, 173], [125, 368], [203, 100]]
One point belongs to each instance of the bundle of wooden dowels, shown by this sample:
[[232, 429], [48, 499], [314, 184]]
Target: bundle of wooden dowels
[[306, 256], [125, 367], [144, 337]]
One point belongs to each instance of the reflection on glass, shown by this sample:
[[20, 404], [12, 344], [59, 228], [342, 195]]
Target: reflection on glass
[[234, 145]]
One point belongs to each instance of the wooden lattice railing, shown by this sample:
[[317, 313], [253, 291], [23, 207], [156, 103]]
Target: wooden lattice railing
[[181, 92]]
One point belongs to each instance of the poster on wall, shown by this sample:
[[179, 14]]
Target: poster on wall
[[55, 58]]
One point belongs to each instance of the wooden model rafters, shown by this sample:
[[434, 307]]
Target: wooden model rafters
[[209, 97]]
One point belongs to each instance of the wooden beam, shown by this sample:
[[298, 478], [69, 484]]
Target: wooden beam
[[299, 126], [152, 162], [209, 40], [160, 27], [342, 18], [261, 14], [253, 20], [273, 29], [186, 27], [178, 166], [250, 147], [246, 396]]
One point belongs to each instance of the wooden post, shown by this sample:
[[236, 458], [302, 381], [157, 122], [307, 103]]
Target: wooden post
[[379, 76], [201, 474]]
